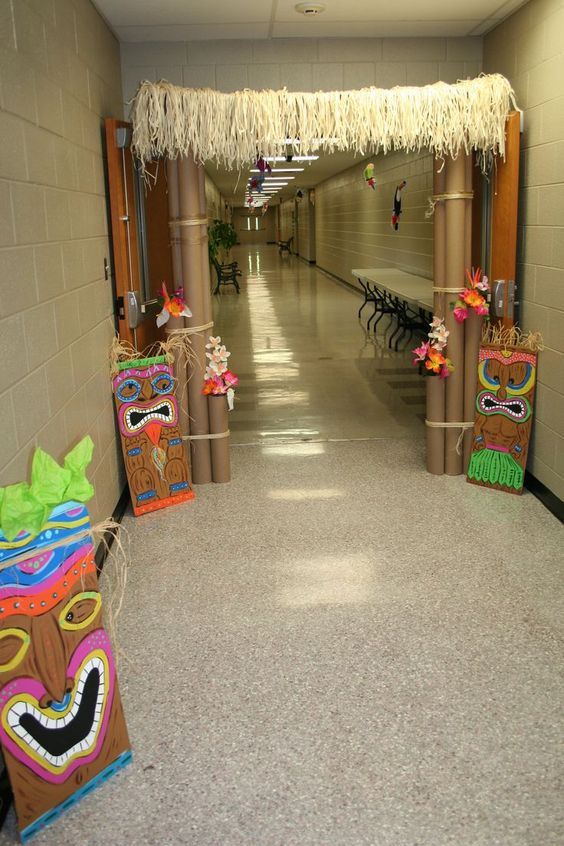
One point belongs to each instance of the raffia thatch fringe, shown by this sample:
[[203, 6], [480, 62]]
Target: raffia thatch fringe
[[512, 337], [232, 129]]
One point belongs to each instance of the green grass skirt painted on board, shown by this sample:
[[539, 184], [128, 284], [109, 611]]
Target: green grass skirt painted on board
[[496, 468]]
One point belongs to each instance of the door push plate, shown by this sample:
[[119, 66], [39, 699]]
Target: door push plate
[[133, 302], [503, 298]]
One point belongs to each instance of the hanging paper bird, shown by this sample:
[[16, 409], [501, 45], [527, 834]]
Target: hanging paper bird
[[263, 165], [264, 208], [369, 175], [397, 206]]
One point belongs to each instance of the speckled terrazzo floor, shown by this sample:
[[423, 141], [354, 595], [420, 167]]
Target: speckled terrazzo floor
[[358, 653], [312, 675]]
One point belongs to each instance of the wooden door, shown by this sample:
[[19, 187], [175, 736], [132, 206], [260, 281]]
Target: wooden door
[[140, 237], [504, 210]]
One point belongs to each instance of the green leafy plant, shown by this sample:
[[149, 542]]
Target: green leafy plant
[[221, 237]]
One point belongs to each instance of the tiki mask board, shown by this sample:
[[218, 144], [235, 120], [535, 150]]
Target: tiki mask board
[[153, 449], [62, 729], [504, 416]]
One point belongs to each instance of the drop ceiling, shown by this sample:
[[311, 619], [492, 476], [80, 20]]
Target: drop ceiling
[[188, 20], [232, 184]]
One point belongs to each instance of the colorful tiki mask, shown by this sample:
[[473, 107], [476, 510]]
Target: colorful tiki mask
[[62, 728], [504, 416], [153, 450]]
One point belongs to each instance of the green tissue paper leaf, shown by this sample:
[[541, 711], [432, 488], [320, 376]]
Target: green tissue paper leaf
[[76, 462], [21, 511], [26, 507], [78, 459], [49, 481]]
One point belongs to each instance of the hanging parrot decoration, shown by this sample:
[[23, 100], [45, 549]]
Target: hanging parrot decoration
[[369, 175], [396, 212]]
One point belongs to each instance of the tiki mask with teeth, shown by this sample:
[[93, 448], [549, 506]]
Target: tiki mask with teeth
[[62, 728], [153, 449], [504, 414]]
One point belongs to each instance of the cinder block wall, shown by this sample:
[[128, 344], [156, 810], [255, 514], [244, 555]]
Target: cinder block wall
[[60, 74], [301, 64], [353, 222], [529, 49]]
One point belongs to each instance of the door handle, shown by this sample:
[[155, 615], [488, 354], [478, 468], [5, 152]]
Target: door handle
[[137, 310]]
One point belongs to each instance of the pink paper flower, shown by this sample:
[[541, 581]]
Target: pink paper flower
[[420, 353], [460, 312]]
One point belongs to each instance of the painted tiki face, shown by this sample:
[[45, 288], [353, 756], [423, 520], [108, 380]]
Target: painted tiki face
[[153, 449], [504, 413], [61, 721]]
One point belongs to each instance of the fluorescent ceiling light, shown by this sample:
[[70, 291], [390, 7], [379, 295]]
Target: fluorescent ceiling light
[[294, 159], [281, 170]]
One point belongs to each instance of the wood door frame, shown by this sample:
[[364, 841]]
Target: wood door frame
[[123, 224]]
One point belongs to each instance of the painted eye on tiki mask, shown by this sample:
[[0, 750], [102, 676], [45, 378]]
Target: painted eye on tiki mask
[[163, 383], [14, 644], [80, 611], [488, 379], [521, 386], [129, 390]]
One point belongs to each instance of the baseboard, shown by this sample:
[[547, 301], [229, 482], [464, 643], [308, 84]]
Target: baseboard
[[554, 504], [106, 544]]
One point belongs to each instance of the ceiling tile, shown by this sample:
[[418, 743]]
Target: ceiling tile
[[404, 11], [373, 29], [164, 12], [207, 32]]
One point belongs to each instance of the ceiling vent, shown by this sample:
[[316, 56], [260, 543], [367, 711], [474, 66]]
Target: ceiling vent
[[310, 10]]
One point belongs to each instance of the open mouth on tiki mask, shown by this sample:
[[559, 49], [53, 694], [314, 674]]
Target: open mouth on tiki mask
[[514, 408], [137, 417], [56, 740]]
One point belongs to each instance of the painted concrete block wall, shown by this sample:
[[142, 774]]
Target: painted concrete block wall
[[301, 64], [60, 75], [353, 221], [529, 49], [287, 221], [305, 228]]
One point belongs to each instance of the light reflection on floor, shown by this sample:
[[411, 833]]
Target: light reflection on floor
[[308, 370]]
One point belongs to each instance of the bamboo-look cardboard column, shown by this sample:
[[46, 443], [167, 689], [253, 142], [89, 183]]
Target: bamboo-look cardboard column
[[455, 226], [435, 411], [180, 365], [472, 332], [197, 292], [219, 423], [217, 406]]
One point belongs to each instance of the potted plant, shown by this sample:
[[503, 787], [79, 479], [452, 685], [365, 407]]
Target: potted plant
[[221, 237]]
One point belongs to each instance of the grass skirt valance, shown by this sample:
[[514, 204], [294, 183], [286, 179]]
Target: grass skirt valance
[[233, 129]]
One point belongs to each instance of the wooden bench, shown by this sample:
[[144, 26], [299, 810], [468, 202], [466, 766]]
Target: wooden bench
[[406, 297]]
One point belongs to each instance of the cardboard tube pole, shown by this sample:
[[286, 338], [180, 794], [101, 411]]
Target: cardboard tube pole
[[435, 399], [196, 289], [472, 334], [180, 367], [219, 422], [217, 406], [455, 226]]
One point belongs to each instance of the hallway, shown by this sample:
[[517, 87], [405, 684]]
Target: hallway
[[335, 649], [308, 370]]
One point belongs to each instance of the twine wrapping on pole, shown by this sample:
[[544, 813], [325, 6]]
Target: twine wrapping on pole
[[435, 198], [189, 221], [209, 437], [462, 426], [447, 290]]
